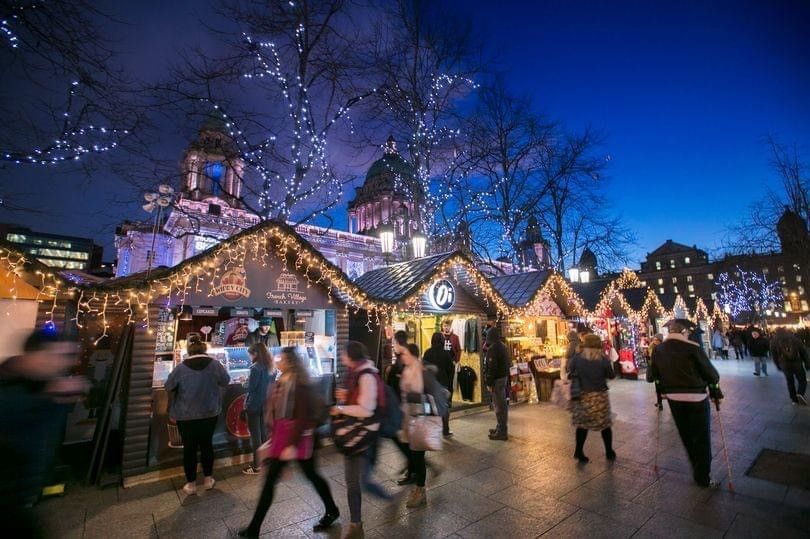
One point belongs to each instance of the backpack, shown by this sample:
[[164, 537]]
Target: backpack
[[391, 417]]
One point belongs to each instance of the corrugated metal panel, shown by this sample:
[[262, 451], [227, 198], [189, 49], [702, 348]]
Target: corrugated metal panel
[[139, 401]]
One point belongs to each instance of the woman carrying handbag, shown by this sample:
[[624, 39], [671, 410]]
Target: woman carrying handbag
[[422, 418], [290, 414]]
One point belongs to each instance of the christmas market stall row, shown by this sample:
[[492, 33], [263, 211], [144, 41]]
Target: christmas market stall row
[[265, 284], [443, 294]]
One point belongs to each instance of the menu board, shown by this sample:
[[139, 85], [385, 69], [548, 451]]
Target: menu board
[[164, 332]]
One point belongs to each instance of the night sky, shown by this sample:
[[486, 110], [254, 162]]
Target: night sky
[[684, 91]]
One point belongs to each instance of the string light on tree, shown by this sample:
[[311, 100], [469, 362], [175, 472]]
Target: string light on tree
[[748, 293]]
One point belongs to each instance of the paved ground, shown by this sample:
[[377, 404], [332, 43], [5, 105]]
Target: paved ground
[[528, 487]]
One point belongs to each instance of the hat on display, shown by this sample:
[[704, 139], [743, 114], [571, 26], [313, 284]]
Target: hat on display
[[592, 340]]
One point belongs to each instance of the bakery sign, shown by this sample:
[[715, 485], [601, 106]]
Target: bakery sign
[[287, 290], [232, 285]]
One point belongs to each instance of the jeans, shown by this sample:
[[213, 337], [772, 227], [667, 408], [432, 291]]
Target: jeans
[[417, 467], [446, 418], [274, 468], [499, 403], [694, 426], [761, 361], [258, 434], [368, 468], [197, 434], [793, 375], [738, 351]]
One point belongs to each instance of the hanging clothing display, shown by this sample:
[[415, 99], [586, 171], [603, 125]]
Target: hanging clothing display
[[466, 382], [470, 338]]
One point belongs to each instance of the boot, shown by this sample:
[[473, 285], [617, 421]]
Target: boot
[[353, 531], [417, 498]]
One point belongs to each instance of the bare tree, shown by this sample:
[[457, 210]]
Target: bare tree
[[507, 142], [284, 89], [63, 99], [575, 211], [757, 231], [427, 59]]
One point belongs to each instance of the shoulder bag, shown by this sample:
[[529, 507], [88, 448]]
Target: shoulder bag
[[423, 425]]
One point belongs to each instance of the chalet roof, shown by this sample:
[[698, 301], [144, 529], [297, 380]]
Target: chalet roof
[[590, 292], [518, 289], [396, 282], [671, 247]]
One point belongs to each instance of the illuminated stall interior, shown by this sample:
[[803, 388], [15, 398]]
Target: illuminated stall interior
[[423, 293]]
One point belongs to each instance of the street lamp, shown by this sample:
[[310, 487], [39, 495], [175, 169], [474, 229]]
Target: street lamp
[[162, 199], [573, 274], [419, 242], [386, 241], [584, 276]]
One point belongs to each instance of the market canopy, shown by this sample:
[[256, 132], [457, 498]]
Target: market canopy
[[405, 285]]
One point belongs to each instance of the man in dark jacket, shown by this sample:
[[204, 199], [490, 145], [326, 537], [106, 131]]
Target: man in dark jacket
[[497, 380], [682, 372], [263, 334], [790, 356], [442, 360], [759, 351]]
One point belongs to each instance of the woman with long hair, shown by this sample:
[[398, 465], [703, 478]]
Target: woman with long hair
[[259, 381], [592, 410], [290, 415], [195, 404], [412, 386]]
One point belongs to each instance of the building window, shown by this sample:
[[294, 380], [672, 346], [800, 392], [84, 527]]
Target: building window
[[674, 289], [691, 295], [658, 265], [672, 263], [801, 290], [688, 278], [660, 281], [782, 279], [691, 287], [764, 271], [780, 269], [674, 279], [661, 290], [798, 278], [686, 260], [714, 296], [643, 283], [710, 276]]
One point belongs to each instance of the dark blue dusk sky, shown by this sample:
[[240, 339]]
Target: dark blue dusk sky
[[684, 92]]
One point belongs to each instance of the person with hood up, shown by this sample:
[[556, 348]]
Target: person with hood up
[[195, 404], [496, 376], [791, 357], [592, 410], [682, 373]]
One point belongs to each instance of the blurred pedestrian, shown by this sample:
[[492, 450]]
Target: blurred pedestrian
[[195, 402], [441, 359], [291, 416], [737, 343], [657, 339], [717, 343], [592, 410], [360, 399], [36, 392], [260, 378], [759, 351], [682, 371], [790, 356], [496, 377]]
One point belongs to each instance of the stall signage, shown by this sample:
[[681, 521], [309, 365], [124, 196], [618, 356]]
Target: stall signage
[[241, 312], [442, 294], [232, 285], [205, 311], [304, 314], [286, 291], [273, 313]]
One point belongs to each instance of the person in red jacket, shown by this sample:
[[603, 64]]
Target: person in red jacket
[[451, 341]]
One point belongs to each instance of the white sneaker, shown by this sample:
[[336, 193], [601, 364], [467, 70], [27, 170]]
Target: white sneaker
[[208, 482], [190, 488]]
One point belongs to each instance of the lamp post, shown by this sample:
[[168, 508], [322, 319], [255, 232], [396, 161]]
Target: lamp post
[[419, 243], [386, 233], [573, 274], [162, 199]]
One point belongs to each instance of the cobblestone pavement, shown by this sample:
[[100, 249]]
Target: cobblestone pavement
[[527, 487]]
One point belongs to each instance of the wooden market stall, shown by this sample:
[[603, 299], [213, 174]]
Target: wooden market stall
[[422, 294]]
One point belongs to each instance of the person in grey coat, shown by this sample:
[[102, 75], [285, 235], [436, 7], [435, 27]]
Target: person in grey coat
[[195, 404]]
